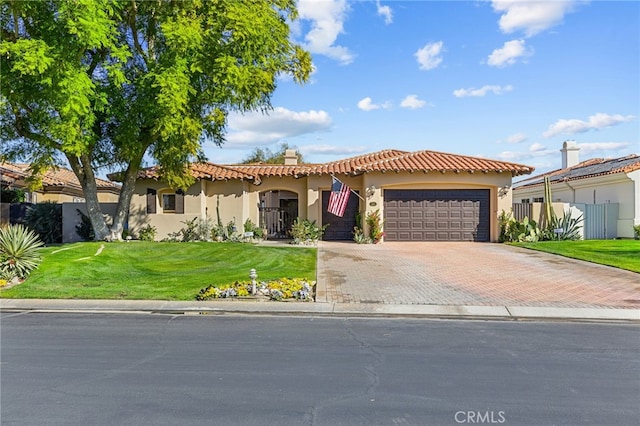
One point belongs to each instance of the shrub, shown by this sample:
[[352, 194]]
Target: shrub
[[359, 237], [569, 228], [12, 195], [522, 231], [147, 233], [503, 221], [249, 226], [636, 231], [19, 255], [45, 219], [303, 231], [375, 224], [196, 229], [84, 229]]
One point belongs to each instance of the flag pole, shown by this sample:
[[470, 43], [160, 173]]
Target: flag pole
[[354, 192]]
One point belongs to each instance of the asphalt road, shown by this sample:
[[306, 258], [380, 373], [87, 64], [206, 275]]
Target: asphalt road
[[133, 369]]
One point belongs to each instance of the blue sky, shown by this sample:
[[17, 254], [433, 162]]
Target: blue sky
[[507, 80]]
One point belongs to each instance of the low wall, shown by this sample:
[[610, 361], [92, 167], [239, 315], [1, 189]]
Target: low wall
[[71, 218]]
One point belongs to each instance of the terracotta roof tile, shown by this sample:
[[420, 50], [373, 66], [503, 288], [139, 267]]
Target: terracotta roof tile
[[425, 161], [57, 177], [386, 160]]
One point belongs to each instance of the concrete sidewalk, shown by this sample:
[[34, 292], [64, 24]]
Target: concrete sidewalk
[[318, 309]]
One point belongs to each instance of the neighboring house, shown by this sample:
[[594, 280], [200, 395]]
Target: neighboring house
[[58, 185], [422, 196], [597, 181]]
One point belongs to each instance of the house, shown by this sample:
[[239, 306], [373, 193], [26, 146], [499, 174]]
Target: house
[[606, 187], [59, 185], [422, 196]]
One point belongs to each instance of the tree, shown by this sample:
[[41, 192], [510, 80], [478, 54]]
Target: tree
[[105, 84], [264, 155]]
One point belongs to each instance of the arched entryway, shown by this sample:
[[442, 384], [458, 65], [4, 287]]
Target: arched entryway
[[278, 211]]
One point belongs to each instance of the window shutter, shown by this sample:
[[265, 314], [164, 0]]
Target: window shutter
[[179, 202], [151, 201]]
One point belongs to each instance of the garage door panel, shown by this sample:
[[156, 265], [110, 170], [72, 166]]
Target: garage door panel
[[437, 215]]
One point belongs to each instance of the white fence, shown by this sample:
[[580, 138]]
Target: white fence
[[599, 221]]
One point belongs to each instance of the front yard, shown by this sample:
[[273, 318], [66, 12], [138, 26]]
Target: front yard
[[153, 270], [624, 254]]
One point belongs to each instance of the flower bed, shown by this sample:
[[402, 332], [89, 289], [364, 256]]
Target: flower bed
[[284, 289]]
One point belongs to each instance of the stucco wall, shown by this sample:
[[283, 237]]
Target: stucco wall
[[237, 201], [71, 218]]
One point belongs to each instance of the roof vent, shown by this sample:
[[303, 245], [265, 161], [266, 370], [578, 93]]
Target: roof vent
[[570, 156]]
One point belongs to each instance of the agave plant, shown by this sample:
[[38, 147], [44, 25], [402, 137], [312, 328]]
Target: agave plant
[[568, 227], [19, 248]]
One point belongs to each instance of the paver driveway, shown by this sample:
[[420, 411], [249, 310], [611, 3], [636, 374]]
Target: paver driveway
[[443, 273]]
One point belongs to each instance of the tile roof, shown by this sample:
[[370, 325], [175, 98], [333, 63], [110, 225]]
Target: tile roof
[[56, 177], [427, 161], [382, 161], [586, 169]]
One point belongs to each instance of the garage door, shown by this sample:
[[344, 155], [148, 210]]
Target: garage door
[[436, 215], [340, 228]]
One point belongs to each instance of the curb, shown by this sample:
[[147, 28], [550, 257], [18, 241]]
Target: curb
[[321, 309]]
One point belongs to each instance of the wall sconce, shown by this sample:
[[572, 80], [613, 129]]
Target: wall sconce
[[503, 191], [370, 191]]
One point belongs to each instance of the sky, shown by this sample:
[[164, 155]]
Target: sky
[[503, 79]]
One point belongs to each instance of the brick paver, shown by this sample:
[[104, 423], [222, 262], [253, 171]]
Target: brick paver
[[447, 273]]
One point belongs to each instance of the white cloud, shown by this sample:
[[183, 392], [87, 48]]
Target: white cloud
[[531, 17], [595, 122], [536, 150], [591, 147], [412, 102], [537, 147], [263, 129], [327, 21], [366, 104], [385, 11], [509, 53], [429, 56], [516, 138], [496, 90], [333, 150]]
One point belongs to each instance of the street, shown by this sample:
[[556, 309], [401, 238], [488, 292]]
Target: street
[[153, 369]]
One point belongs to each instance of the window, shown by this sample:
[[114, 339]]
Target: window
[[172, 202], [538, 199], [525, 201], [169, 202]]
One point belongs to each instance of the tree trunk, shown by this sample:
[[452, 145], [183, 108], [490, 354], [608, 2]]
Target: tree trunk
[[81, 166], [124, 201]]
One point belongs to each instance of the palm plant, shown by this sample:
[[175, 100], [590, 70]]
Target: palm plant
[[19, 247]]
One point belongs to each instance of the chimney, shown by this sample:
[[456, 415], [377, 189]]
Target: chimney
[[290, 157], [570, 155]]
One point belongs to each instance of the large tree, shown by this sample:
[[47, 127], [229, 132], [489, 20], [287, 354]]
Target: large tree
[[108, 83]]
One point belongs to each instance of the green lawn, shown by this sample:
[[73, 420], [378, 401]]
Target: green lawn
[[163, 271], [624, 254]]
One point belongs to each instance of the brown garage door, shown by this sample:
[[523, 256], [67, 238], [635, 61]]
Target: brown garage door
[[436, 215], [340, 228]]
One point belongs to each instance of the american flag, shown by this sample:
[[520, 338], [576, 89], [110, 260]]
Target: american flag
[[338, 198]]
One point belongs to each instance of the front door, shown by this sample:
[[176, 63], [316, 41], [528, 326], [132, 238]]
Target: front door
[[340, 228]]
